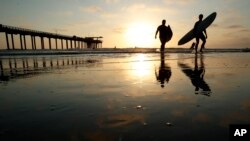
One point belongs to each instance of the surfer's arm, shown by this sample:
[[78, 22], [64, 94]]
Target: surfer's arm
[[156, 32]]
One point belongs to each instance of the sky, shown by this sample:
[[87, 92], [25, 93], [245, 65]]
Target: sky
[[131, 23]]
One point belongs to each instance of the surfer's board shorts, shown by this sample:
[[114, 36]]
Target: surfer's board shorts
[[163, 40], [200, 36]]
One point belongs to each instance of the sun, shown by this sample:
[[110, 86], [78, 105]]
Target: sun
[[140, 34]]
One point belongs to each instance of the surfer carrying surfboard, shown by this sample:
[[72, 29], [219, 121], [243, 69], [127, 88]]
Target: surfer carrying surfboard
[[199, 35], [165, 34], [197, 32]]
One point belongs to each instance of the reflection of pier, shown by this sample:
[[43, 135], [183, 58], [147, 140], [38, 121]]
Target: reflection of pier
[[14, 68], [67, 42]]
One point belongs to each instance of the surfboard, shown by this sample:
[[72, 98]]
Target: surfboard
[[203, 25], [169, 33]]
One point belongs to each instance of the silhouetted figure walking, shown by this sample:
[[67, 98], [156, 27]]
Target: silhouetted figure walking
[[196, 75], [164, 72], [199, 35], [165, 34]]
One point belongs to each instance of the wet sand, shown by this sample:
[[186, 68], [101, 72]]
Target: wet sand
[[109, 50], [111, 97]]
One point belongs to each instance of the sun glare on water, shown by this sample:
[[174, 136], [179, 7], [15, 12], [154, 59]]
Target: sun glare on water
[[141, 66], [140, 35]]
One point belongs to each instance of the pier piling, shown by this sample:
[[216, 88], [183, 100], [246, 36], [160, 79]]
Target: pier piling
[[21, 42], [12, 39], [7, 40], [25, 47], [49, 43], [56, 42]]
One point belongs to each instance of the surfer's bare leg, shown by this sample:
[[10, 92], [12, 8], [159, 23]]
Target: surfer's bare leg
[[202, 46], [203, 43], [163, 47], [196, 45], [163, 42]]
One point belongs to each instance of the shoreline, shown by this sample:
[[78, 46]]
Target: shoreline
[[111, 50]]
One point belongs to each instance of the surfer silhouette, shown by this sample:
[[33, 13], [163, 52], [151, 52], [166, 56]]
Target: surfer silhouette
[[164, 72], [165, 34], [199, 35], [196, 75]]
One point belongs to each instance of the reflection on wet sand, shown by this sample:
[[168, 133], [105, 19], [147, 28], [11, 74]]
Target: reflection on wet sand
[[196, 75], [100, 136], [121, 120], [14, 68], [80, 98], [164, 73]]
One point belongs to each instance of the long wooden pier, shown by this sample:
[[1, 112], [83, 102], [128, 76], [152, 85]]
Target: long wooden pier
[[71, 42]]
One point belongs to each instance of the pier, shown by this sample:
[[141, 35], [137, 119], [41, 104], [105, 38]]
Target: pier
[[67, 42]]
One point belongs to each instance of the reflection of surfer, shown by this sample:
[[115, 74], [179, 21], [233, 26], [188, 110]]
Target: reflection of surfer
[[165, 34], [197, 75], [164, 72], [199, 35]]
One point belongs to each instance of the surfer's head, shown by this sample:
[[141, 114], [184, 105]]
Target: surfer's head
[[200, 16], [163, 22]]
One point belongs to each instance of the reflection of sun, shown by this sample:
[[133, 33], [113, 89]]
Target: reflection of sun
[[140, 35], [141, 67]]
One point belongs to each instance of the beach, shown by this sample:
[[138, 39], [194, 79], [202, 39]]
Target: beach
[[111, 50], [123, 96], [113, 70]]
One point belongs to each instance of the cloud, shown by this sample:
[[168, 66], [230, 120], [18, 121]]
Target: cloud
[[214, 25], [59, 30], [134, 8], [111, 1], [91, 9], [118, 30], [65, 13], [178, 2], [234, 17], [85, 27], [235, 26], [65, 0], [148, 11], [109, 15], [245, 30], [239, 28], [20, 21]]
